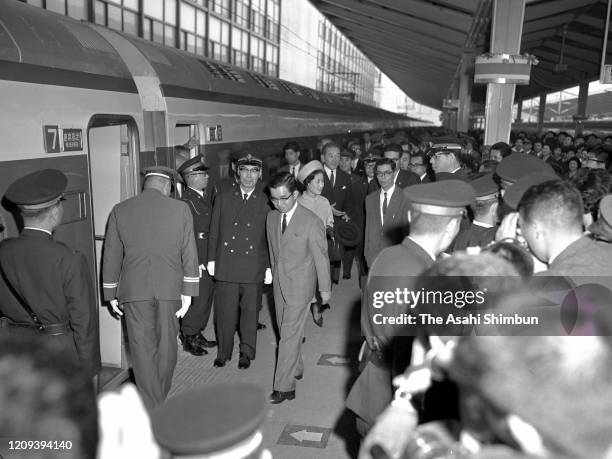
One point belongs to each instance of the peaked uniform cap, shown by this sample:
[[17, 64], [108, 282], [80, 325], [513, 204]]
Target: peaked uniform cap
[[485, 187], [192, 165], [446, 198], [38, 190], [161, 171], [514, 193], [518, 165], [213, 420], [249, 160]]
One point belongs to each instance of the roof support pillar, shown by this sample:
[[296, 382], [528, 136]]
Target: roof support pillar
[[505, 38], [466, 80], [452, 114], [541, 112], [519, 111], [580, 116]]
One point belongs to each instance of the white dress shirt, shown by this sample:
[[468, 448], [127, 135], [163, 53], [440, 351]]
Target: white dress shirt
[[382, 199]]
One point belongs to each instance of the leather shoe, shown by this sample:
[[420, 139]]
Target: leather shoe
[[261, 326], [192, 345], [204, 342], [244, 362], [299, 377], [317, 316], [219, 362], [279, 397]]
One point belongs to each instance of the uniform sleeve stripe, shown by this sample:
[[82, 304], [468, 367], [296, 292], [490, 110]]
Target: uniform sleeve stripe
[[191, 279], [110, 285]]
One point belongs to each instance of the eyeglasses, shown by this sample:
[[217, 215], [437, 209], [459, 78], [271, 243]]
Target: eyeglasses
[[252, 171], [280, 200], [384, 173], [411, 165]]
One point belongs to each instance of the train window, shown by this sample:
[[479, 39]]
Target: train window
[[186, 142]]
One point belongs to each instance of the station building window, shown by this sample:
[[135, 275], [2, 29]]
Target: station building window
[[218, 39], [120, 15], [257, 54], [193, 29], [240, 47], [221, 7], [271, 60], [241, 13], [258, 15]]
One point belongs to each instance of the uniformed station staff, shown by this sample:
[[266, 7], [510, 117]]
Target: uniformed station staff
[[45, 286], [197, 197], [238, 259], [150, 268]]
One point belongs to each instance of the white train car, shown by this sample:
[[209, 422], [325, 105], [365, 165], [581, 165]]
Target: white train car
[[100, 106]]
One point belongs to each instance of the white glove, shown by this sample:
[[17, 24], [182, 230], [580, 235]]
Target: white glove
[[186, 302], [268, 276], [202, 269], [210, 267], [115, 305]]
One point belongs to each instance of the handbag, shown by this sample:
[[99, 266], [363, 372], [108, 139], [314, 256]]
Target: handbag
[[333, 250]]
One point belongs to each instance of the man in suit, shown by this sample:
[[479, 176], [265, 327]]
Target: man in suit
[[238, 260], [362, 186], [418, 165], [550, 219], [386, 220], [149, 274], [366, 144], [292, 155], [402, 178], [298, 256], [197, 197], [445, 163], [337, 189], [435, 211], [45, 286]]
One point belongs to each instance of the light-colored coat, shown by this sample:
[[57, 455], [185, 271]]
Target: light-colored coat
[[381, 234], [299, 256]]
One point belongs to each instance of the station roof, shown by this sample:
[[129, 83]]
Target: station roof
[[420, 44]]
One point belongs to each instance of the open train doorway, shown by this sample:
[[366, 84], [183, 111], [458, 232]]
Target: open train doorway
[[113, 154]]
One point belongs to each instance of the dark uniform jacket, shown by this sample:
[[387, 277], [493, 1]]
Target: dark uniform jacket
[[406, 178], [474, 236], [150, 250], [54, 281], [237, 242], [201, 210]]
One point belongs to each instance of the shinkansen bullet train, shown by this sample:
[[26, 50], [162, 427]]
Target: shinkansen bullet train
[[100, 106]]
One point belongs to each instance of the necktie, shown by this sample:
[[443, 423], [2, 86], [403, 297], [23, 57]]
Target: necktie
[[284, 225], [293, 170], [332, 179], [245, 197], [385, 204]]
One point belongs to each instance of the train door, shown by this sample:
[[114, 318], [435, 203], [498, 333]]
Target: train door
[[186, 142], [113, 152]]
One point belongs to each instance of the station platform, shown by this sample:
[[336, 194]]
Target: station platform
[[315, 424]]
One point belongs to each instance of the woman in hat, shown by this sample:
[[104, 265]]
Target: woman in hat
[[311, 177]]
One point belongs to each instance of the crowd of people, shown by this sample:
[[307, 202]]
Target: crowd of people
[[407, 205]]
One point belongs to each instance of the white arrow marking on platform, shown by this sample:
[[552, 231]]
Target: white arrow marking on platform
[[338, 360], [304, 435]]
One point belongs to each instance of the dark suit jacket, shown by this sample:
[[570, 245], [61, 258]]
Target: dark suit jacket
[[298, 257], [341, 194], [360, 189], [406, 178], [474, 236], [379, 235], [201, 210], [237, 242]]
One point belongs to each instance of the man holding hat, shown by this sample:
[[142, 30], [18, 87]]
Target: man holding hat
[[238, 259], [195, 176], [45, 286], [149, 273], [435, 212]]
